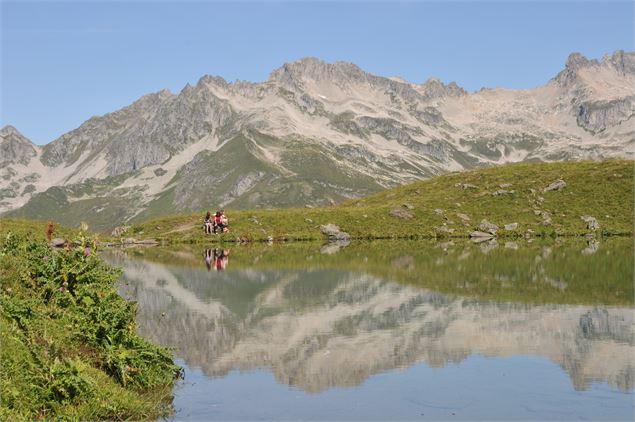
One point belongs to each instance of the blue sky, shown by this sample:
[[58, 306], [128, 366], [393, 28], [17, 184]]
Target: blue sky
[[63, 62]]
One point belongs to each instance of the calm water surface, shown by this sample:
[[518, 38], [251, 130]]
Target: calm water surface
[[393, 330]]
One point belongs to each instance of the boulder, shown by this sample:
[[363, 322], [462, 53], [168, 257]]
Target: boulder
[[465, 186], [511, 226], [445, 230], [557, 185], [408, 206], [333, 232], [486, 226], [119, 230], [503, 192], [58, 243], [401, 213], [591, 222], [463, 217]]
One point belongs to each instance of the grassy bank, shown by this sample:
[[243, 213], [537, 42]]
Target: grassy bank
[[452, 205], [69, 346]]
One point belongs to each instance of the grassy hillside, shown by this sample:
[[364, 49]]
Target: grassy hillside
[[452, 205], [34, 229]]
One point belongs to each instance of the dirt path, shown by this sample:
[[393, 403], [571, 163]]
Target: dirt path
[[182, 228]]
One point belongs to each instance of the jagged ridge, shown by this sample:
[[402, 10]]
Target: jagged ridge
[[368, 131]]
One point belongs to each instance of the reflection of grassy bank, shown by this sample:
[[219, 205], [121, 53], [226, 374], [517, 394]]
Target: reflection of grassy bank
[[69, 346], [446, 206], [537, 272]]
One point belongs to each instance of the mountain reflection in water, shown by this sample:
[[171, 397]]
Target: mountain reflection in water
[[325, 327]]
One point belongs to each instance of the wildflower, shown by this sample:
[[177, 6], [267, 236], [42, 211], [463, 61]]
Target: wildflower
[[46, 258]]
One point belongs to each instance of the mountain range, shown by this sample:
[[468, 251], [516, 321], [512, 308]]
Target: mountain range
[[313, 134]]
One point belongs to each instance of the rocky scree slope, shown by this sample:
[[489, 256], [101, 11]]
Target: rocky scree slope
[[314, 133]]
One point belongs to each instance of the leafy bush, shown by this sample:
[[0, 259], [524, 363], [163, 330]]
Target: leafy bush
[[65, 330]]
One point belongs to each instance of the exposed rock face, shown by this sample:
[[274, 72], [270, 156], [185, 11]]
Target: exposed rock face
[[17, 177], [600, 115], [14, 147], [313, 133], [119, 230]]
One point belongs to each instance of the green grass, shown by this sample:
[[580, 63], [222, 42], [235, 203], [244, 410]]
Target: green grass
[[33, 229], [69, 345], [604, 190]]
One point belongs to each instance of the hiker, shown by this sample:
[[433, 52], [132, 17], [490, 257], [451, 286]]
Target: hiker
[[224, 221], [221, 222], [208, 223], [217, 222]]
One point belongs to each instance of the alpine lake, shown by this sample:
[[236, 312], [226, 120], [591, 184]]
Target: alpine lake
[[540, 329]]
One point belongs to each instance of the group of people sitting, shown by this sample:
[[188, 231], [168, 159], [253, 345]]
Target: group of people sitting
[[217, 223]]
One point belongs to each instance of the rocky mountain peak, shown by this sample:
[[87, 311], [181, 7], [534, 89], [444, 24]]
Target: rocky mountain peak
[[569, 75], [212, 80], [576, 61], [434, 88], [15, 147], [10, 133], [623, 62], [8, 130], [311, 68], [367, 132]]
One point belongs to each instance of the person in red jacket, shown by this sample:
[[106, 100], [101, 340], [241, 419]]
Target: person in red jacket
[[217, 222]]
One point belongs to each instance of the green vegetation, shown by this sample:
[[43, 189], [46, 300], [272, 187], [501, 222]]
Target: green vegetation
[[438, 207], [33, 229], [69, 345], [535, 271], [67, 205]]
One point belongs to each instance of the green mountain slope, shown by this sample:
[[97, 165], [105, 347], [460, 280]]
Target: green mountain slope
[[446, 206]]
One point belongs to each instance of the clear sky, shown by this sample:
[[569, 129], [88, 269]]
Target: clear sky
[[63, 62]]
